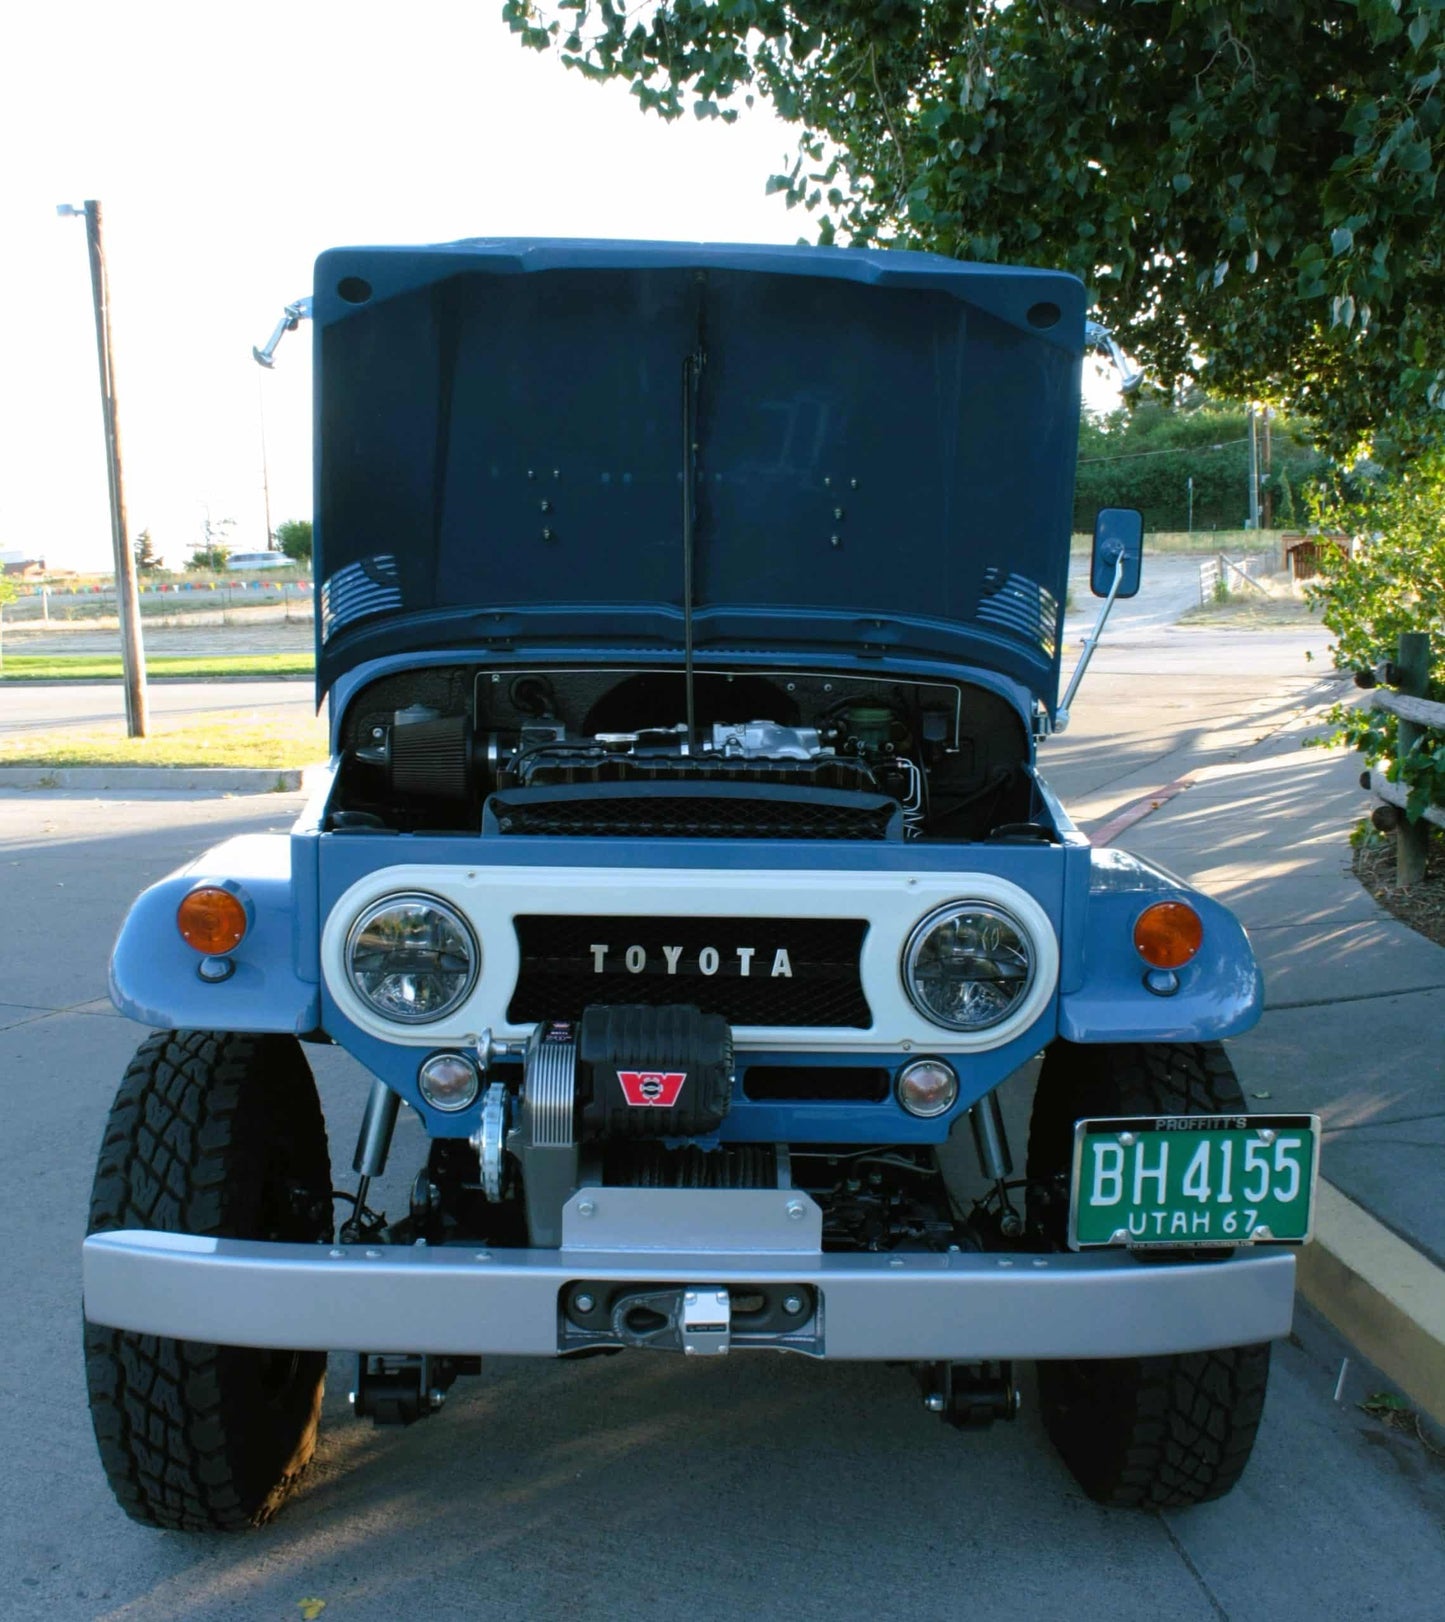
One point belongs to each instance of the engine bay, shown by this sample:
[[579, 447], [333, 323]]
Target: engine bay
[[642, 753]]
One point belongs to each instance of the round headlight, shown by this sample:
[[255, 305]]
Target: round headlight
[[412, 958], [968, 966]]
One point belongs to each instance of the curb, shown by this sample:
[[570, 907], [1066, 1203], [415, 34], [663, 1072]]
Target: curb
[[205, 779], [1383, 1295]]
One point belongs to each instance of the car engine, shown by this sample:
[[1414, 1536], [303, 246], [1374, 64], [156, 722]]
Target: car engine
[[791, 755]]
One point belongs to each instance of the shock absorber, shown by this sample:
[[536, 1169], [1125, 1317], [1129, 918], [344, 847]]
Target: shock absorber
[[991, 1141]]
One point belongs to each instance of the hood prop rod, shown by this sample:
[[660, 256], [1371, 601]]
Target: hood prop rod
[[1091, 641], [691, 372]]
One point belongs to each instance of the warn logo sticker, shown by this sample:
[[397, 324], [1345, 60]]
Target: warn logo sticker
[[659, 1088]]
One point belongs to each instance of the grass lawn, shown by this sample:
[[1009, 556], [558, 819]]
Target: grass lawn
[[1202, 541], [1245, 610], [94, 667], [220, 738]]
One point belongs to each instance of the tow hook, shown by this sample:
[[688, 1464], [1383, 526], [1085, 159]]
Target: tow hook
[[695, 1319], [970, 1396], [399, 1388]]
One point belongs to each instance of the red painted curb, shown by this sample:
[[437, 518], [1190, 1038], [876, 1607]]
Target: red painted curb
[[1137, 810]]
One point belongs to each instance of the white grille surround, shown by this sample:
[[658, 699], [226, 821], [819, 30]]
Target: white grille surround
[[893, 904]]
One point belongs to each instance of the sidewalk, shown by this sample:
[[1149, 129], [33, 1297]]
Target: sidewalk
[[1353, 1030]]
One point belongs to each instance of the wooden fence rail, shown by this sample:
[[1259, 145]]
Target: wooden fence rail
[[1397, 794], [1223, 570], [1422, 711], [1414, 715]]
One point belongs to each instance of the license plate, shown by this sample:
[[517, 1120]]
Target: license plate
[[1182, 1181]]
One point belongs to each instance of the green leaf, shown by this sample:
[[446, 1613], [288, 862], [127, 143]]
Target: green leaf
[[1147, 159]]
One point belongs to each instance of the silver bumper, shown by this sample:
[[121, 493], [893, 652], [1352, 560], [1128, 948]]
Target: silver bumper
[[962, 1307]]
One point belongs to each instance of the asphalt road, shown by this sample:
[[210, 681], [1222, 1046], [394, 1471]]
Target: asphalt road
[[50, 706], [1171, 585], [643, 1485]]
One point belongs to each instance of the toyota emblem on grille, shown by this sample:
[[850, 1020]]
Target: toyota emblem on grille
[[706, 960]]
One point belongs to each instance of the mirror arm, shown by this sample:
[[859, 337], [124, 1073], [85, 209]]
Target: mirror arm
[[1061, 714], [291, 318], [1099, 336]]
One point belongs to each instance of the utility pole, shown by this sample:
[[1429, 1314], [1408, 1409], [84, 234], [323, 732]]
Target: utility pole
[[1191, 503], [1268, 463], [127, 598], [1253, 467], [265, 471]]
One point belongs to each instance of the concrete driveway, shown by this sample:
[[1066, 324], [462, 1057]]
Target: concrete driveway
[[639, 1486]]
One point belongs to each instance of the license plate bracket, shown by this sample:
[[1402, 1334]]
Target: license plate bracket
[[1189, 1182]]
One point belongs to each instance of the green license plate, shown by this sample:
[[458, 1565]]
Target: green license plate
[[1181, 1181]]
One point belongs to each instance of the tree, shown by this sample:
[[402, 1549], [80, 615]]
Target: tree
[[212, 550], [1284, 510], [147, 561], [294, 538], [9, 591], [212, 558], [1248, 187], [1146, 457]]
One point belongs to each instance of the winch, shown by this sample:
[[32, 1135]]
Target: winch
[[619, 1074]]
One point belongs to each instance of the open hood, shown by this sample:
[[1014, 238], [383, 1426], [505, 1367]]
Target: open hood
[[876, 448]]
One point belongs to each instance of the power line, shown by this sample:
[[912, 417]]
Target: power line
[[1172, 450]]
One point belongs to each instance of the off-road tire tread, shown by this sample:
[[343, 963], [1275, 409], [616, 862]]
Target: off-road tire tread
[[184, 1441], [1153, 1432]]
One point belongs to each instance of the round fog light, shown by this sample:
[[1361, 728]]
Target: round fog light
[[927, 1087], [448, 1081]]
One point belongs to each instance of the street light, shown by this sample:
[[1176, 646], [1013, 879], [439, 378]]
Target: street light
[[127, 597]]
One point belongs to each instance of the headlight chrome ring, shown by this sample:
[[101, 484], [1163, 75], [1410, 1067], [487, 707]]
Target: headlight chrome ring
[[968, 965], [412, 958]]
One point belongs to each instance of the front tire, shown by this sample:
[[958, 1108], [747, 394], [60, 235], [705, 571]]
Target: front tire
[[1140, 1432], [214, 1134]]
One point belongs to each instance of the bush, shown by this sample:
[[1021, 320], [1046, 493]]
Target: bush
[[294, 539], [1394, 581]]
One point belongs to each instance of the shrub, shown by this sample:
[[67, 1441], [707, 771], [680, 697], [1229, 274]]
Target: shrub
[[1393, 581]]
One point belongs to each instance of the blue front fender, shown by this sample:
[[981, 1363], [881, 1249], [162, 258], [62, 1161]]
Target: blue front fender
[[1220, 993], [154, 975]]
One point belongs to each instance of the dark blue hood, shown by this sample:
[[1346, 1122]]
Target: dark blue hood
[[882, 451]]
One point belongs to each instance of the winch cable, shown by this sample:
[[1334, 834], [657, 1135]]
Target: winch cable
[[691, 383]]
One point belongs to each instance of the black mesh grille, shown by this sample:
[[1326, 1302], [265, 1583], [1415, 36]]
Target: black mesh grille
[[800, 971], [665, 816], [792, 1083]]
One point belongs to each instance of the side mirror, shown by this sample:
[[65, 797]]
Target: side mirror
[[1118, 531]]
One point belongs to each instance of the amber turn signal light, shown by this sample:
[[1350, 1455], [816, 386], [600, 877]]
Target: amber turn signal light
[[212, 920], [1168, 934]]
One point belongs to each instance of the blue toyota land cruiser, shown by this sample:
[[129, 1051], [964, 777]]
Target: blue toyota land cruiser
[[690, 618]]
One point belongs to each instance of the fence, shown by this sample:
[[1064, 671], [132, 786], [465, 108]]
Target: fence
[[1221, 572], [1416, 715], [180, 602]]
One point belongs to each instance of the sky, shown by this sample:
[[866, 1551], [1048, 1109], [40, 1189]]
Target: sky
[[228, 146]]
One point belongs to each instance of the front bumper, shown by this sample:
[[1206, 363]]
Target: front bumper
[[963, 1307]]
